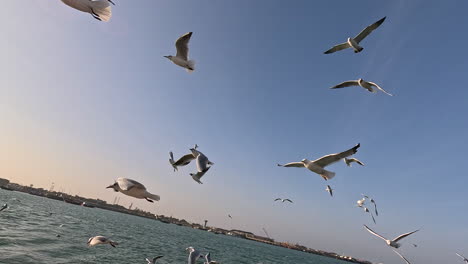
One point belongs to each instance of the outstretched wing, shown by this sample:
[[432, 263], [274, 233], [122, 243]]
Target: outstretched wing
[[338, 47], [461, 256], [374, 233], [182, 46], [345, 84], [364, 33], [380, 88], [184, 160], [358, 162], [287, 200], [128, 184], [292, 164], [332, 158], [404, 235], [277, 199], [401, 256]]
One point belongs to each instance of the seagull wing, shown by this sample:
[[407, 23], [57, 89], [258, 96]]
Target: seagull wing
[[373, 219], [346, 84], [404, 235], [202, 163], [292, 164], [368, 30], [184, 160], [338, 47], [287, 200], [358, 162], [374, 233], [208, 257], [380, 88], [375, 209], [149, 261], [332, 158], [277, 199], [128, 184], [182, 46], [401, 256], [460, 256], [156, 258]]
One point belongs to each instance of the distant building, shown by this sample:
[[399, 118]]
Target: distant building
[[4, 182]]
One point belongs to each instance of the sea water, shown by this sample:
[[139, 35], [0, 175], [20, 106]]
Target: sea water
[[31, 232]]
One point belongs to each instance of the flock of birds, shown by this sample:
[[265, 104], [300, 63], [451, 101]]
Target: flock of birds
[[101, 10]]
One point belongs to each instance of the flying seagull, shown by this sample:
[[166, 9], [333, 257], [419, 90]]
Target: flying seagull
[[99, 9], [229, 216], [208, 259], [329, 190], [153, 260], [184, 160], [372, 201], [193, 255], [360, 82], [203, 165], [351, 160], [318, 165], [134, 189], [354, 42], [401, 256], [100, 240], [392, 243], [283, 200], [464, 259], [181, 58], [5, 206]]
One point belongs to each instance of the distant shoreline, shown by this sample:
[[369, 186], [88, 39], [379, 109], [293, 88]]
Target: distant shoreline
[[97, 203]]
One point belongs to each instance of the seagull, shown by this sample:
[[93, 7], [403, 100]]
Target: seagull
[[392, 243], [197, 176], [5, 206], [99, 9], [401, 256], [283, 200], [318, 165], [364, 84], [229, 216], [97, 240], [464, 259], [351, 160], [202, 160], [181, 58], [329, 190], [354, 42], [372, 201], [134, 189], [193, 255], [208, 259], [184, 160], [153, 260]]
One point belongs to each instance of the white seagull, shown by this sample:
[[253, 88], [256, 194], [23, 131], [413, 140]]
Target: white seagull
[[354, 42], [134, 189], [208, 259], [392, 243], [153, 260], [184, 160], [401, 256], [364, 84], [318, 165], [283, 200], [99, 9], [181, 58], [329, 190], [203, 165], [464, 259], [100, 240], [194, 255], [351, 160]]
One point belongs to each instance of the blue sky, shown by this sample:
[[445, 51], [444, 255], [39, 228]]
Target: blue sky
[[84, 102]]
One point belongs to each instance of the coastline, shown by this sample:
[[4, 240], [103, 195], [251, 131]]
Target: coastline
[[97, 203]]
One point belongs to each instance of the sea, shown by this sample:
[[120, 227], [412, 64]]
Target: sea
[[39, 230]]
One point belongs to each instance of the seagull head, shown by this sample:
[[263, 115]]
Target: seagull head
[[304, 160], [190, 249], [114, 186]]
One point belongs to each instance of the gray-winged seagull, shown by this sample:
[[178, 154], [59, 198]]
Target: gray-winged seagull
[[318, 165], [194, 255], [181, 58], [134, 189], [184, 160], [99, 9], [153, 260], [392, 243], [364, 84], [100, 240], [354, 42]]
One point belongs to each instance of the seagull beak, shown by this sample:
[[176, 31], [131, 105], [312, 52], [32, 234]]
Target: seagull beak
[[110, 1], [167, 57], [110, 186]]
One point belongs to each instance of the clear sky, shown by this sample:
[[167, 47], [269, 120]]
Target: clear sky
[[84, 102]]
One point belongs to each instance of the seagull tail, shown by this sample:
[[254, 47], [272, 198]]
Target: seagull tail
[[327, 175], [102, 9], [358, 50], [190, 66], [153, 196]]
